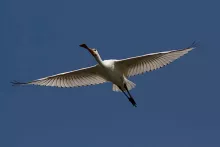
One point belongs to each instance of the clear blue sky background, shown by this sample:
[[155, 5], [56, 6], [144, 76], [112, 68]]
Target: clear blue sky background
[[178, 105]]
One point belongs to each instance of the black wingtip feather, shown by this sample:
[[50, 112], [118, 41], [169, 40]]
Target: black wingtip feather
[[195, 44], [16, 83]]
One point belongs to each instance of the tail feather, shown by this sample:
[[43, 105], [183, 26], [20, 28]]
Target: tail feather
[[129, 84]]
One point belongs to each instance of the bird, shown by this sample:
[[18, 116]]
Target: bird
[[115, 71]]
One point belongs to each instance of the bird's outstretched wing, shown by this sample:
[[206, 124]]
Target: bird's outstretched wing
[[82, 77], [145, 63]]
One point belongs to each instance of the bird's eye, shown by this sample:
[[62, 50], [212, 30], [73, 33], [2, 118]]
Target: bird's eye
[[95, 50]]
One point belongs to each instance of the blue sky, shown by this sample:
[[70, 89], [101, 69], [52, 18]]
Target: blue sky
[[178, 105]]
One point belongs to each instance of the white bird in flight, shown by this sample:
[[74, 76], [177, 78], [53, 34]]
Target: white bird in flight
[[115, 71]]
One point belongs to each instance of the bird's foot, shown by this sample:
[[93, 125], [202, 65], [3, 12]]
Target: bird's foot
[[133, 102]]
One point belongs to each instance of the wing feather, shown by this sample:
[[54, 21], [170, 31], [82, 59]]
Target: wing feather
[[149, 62], [82, 77]]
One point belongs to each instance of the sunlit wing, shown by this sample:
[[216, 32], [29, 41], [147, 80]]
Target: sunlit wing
[[149, 62], [82, 77]]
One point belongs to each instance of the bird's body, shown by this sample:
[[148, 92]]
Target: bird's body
[[115, 71], [111, 72]]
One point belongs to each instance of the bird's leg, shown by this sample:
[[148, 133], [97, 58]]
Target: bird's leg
[[131, 98], [123, 92]]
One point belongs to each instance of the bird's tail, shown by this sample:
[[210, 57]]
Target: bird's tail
[[129, 84]]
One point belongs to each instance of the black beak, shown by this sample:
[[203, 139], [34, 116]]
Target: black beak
[[84, 46]]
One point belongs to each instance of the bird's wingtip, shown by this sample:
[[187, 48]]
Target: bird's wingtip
[[16, 83], [194, 45]]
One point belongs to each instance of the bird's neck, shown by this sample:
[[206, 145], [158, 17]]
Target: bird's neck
[[99, 60]]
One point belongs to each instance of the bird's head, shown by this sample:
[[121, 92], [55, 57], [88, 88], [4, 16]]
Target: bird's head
[[93, 51]]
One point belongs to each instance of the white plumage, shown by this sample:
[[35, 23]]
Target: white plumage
[[115, 71]]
